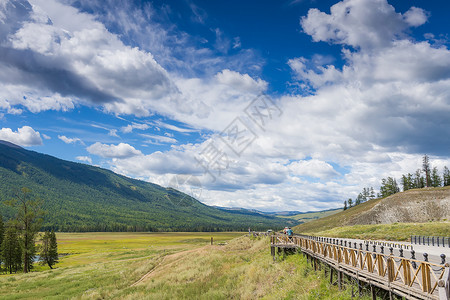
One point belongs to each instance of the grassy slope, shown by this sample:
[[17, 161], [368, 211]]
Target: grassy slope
[[106, 265], [310, 216], [335, 220]]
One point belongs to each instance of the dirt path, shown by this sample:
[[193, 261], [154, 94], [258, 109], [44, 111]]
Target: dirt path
[[149, 273], [172, 257]]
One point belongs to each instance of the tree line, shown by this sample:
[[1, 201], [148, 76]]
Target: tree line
[[427, 176], [365, 195], [18, 249]]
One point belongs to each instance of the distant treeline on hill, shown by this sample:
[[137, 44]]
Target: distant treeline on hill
[[144, 228], [428, 176]]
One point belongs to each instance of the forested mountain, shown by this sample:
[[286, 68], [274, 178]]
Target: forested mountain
[[79, 197]]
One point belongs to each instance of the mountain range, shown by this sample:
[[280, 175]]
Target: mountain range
[[80, 197]]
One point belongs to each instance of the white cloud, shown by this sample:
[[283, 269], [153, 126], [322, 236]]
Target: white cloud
[[129, 128], [361, 23], [84, 158], [113, 132], [25, 136], [121, 150], [313, 168], [74, 48], [158, 139], [70, 140]]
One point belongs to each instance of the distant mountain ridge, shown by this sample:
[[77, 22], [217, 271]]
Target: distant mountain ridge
[[79, 197]]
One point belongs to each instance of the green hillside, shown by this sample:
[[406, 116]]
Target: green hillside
[[310, 216], [79, 197]]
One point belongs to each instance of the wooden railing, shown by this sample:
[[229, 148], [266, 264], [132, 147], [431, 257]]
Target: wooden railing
[[411, 278]]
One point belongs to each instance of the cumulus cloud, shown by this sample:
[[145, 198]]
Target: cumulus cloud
[[25, 136], [361, 23], [121, 150], [71, 57]]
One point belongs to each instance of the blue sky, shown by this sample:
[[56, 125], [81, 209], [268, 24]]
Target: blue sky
[[272, 105]]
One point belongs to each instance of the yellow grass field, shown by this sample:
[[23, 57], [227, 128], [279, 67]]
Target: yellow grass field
[[169, 266]]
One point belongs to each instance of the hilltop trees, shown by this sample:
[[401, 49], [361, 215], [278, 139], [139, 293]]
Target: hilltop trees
[[426, 169], [388, 187], [446, 177], [365, 195], [428, 176]]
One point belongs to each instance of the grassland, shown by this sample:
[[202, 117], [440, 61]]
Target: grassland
[[175, 266]]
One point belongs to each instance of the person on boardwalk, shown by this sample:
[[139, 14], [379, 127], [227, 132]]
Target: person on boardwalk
[[290, 233]]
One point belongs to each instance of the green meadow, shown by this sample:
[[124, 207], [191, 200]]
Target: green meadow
[[169, 266]]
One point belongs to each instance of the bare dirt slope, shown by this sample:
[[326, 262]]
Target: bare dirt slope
[[418, 205], [413, 206]]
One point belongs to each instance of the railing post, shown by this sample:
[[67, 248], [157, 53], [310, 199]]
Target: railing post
[[444, 284], [390, 269], [413, 257], [426, 278]]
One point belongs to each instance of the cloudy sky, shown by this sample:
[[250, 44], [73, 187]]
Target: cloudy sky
[[271, 105]]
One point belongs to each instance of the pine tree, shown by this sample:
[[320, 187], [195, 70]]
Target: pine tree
[[446, 177], [358, 199], [28, 221], [345, 205], [350, 202], [388, 187], [408, 182], [435, 178], [426, 169], [49, 249], [372, 193], [419, 180], [10, 249]]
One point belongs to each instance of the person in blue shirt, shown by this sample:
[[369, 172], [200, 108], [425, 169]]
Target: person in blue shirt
[[290, 233]]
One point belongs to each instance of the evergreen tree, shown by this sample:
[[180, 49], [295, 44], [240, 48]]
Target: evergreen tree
[[435, 178], [10, 249], [350, 202], [49, 249], [419, 180], [345, 205], [372, 193], [28, 221], [408, 182], [426, 169], [358, 199], [388, 187], [446, 177]]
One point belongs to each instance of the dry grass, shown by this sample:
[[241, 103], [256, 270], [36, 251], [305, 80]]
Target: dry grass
[[183, 266]]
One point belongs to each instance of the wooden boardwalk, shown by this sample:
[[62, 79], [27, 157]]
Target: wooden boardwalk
[[409, 278]]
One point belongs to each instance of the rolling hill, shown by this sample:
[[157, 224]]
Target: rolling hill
[[412, 206], [79, 197]]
